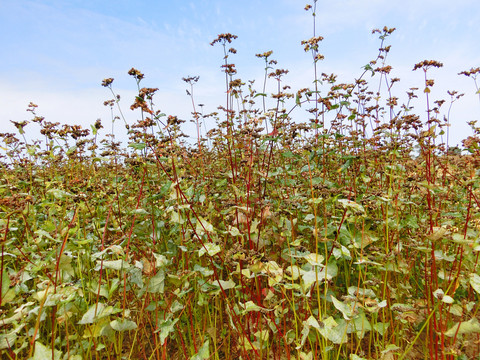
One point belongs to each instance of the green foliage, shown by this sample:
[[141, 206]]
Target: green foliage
[[355, 240]]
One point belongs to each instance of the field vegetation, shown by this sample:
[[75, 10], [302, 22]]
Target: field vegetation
[[353, 235]]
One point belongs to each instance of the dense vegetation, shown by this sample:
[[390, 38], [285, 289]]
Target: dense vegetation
[[354, 235]]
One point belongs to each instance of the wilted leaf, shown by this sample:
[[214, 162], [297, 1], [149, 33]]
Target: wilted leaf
[[331, 330], [176, 217], [352, 206], [361, 292], [437, 234], [274, 272], [447, 299], [465, 327]]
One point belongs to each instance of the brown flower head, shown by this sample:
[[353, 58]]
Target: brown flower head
[[224, 38], [107, 82], [426, 64], [136, 74], [265, 54], [472, 71]]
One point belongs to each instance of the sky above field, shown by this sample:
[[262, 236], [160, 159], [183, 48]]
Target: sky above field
[[55, 53]]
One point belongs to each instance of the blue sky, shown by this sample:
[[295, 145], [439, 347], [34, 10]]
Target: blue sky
[[55, 53]]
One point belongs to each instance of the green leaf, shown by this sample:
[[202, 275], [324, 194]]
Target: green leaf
[[161, 260], [329, 329], [113, 264], [8, 340], [368, 67], [59, 194], [202, 270], [288, 154], [71, 150], [203, 353], [251, 306], [165, 328], [156, 284], [92, 314], [346, 309], [31, 150], [475, 282], [360, 325], [42, 352], [343, 252], [123, 325], [356, 357], [139, 211], [460, 239], [234, 231], [137, 146], [381, 327], [314, 259], [310, 277], [5, 285], [230, 284], [202, 226], [294, 271], [210, 248]]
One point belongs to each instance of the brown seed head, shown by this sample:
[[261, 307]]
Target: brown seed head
[[224, 38], [107, 82], [426, 64], [136, 74]]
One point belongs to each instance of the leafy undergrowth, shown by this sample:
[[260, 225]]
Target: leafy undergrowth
[[357, 240]]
